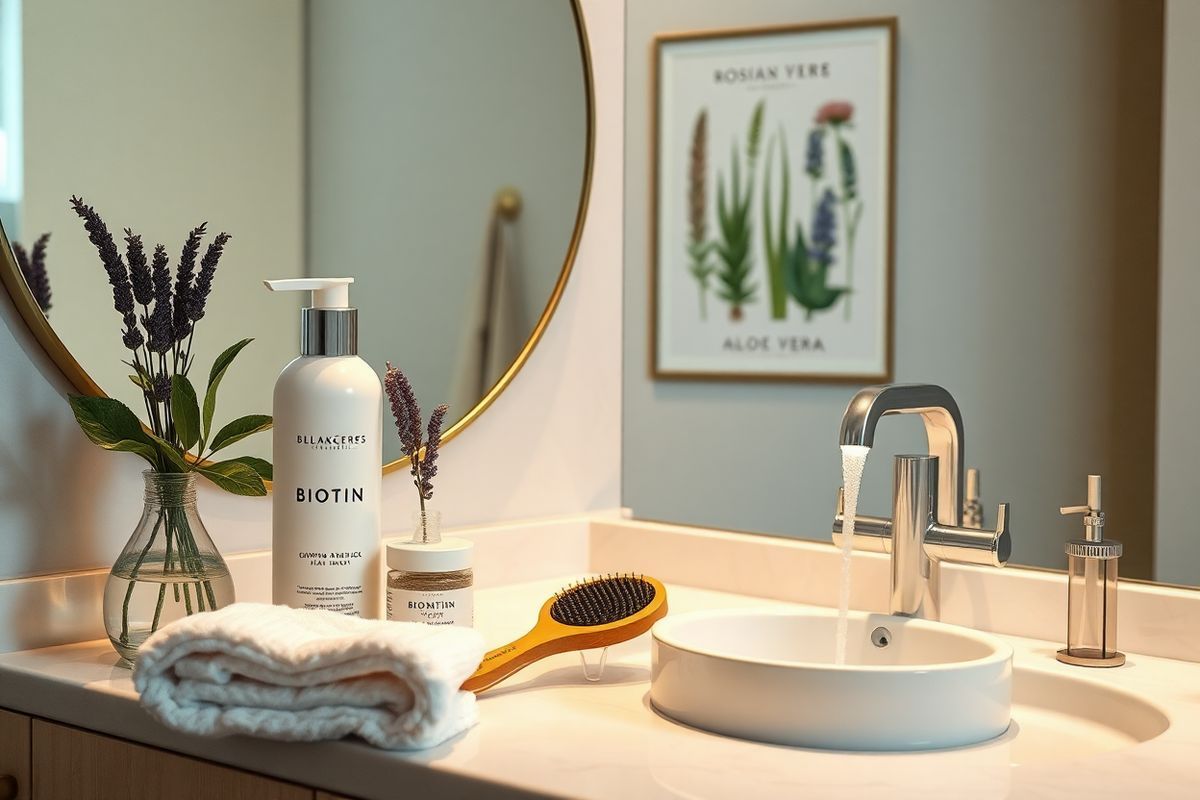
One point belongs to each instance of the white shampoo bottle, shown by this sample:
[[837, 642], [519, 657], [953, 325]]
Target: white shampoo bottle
[[327, 449]]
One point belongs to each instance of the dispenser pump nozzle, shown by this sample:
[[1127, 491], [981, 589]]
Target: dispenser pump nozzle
[[326, 292], [1093, 515], [328, 325]]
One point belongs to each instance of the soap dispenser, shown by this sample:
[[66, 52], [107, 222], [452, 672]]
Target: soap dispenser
[[1091, 589], [328, 407]]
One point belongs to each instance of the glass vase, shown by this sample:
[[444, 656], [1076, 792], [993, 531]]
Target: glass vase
[[169, 569], [427, 526]]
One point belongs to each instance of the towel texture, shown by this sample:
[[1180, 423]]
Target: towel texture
[[302, 675]]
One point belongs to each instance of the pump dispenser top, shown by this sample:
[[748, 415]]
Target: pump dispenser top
[[328, 325]]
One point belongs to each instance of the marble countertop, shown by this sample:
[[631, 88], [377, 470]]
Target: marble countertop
[[548, 732]]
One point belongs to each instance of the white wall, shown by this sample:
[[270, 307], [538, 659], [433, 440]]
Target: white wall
[[550, 444], [1026, 150], [163, 115], [1178, 555], [403, 172]]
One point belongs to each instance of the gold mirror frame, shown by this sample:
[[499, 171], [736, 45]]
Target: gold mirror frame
[[18, 290]]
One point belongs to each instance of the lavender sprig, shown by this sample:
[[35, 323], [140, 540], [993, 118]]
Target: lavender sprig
[[139, 269], [114, 266], [181, 321], [159, 327], [132, 336], [204, 278], [432, 442], [814, 153], [404, 409], [22, 257], [41, 274], [407, 414], [823, 229], [33, 267], [162, 387]]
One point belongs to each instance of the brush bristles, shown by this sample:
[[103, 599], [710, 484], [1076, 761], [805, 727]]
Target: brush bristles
[[601, 600]]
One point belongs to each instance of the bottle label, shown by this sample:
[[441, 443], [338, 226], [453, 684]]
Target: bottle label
[[326, 439], [449, 607], [336, 585]]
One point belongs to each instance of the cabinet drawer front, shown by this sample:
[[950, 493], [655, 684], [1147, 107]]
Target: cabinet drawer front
[[14, 755], [70, 763]]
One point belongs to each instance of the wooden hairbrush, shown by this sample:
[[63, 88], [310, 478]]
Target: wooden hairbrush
[[595, 613]]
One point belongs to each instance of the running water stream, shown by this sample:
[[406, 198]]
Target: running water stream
[[854, 460]]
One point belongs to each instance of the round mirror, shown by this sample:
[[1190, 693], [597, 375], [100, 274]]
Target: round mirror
[[439, 153]]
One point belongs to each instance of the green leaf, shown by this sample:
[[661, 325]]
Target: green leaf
[[733, 218], [170, 455], [106, 421], [150, 454], [141, 379], [239, 429], [754, 135], [110, 424], [806, 279], [795, 266], [214, 380], [849, 171], [235, 477], [736, 182], [261, 466], [775, 241], [185, 411]]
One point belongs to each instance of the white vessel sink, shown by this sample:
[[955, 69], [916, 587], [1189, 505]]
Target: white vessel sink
[[769, 675]]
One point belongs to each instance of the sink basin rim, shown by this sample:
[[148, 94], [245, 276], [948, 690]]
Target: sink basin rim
[[664, 632]]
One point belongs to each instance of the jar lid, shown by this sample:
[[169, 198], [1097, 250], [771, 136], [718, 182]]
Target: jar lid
[[446, 555]]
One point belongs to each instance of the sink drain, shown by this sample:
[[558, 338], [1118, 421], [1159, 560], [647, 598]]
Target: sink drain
[[881, 637]]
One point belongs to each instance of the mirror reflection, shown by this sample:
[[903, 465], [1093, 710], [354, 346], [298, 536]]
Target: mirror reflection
[[372, 138]]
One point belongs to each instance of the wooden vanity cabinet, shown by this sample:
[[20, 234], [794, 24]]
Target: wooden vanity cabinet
[[42, 760]]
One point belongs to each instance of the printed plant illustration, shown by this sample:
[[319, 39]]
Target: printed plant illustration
[[836, 115], [807, 270], [777, 249], [699, 248], [798, 262], [733, 216], [772, 180], [800, 267]]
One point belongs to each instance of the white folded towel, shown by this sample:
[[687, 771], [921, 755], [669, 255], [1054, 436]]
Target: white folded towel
[[302, 675]]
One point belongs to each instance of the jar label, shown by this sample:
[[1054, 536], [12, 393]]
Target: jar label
[[449, 607]]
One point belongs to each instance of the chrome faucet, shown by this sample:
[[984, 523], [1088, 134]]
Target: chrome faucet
[[925, 528]]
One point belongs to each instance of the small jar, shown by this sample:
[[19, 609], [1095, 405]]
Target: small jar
[[430, 579]]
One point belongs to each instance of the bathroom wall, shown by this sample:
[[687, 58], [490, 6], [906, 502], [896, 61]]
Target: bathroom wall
[[432, 131], [549, 445], [1025, 277], [1178, 554], [208, 104], [10, 112]]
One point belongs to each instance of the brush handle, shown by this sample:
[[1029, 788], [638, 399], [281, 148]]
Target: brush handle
[[498, 664]]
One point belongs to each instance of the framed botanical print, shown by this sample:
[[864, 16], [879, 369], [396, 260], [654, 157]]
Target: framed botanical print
[[773, 203]]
